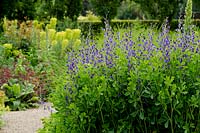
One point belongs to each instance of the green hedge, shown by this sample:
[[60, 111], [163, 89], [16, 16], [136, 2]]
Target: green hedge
[[95, 26]]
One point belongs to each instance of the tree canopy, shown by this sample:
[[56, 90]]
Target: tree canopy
[[104, 8], [160, 9]]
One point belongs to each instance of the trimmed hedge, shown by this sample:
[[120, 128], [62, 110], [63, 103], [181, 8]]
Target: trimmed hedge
[[95, 26]]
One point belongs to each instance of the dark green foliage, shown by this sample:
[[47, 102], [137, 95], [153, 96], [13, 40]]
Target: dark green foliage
[[21, 10], [59, 9], [86, 7], [107, 9], [52, 8], [74, 9], [160, 9]]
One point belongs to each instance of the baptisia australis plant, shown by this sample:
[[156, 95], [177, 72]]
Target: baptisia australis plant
[[148, 84]]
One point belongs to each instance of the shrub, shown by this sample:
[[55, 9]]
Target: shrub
[[106, 9], [130, 10], [89, 17], [150, 84]]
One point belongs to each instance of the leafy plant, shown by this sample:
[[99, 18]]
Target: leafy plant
[[148, 83], [19, 96]]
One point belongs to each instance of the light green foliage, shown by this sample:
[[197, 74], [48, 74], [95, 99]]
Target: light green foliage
[[188, 16], [89, 17], [19, 96]]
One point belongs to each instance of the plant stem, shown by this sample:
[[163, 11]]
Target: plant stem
[[171, 119]]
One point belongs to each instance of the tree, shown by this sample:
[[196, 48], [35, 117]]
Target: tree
[[60, 8], [160, 9], [74, 9], [14, 9], [107, 9], [130, 10], [53, 8], [86, 7]]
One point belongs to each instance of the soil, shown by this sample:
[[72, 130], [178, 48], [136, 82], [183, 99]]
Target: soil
[[28, 121]]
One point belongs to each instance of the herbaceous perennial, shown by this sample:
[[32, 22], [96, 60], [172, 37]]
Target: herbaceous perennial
[[127, 84]]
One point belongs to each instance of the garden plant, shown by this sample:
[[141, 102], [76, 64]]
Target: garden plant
[[29, 56]]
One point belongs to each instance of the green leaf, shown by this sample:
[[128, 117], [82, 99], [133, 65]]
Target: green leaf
[[142, 115], [130, 101], [16, 89], [112, 131], [166, 124], [16, 104], [134, 114]]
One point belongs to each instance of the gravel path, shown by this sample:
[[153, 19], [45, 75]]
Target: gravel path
[[28, 121]]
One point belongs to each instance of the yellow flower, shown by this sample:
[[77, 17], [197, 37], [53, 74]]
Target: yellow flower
[[60, 36], [15, 22], [64, 46], [16, 52], [35, 23], [42, 35], [43, 44], [53, 21], [69, 34], [39, 26], [7, 46], [76, 33], [5, 24], [77, 43], [52, 24], [51, 34], [64, 43], [54, 42]]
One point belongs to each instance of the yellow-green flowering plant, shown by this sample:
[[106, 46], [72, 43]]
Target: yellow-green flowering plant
[[8, 49], [69, 34], [52, 24], [8, 46], [76, 33], [51, 34]]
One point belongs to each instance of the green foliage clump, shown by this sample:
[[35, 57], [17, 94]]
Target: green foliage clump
[[21, 10], [19, 96]]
